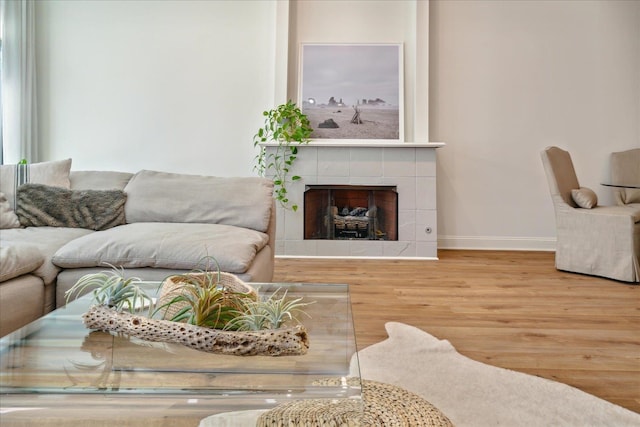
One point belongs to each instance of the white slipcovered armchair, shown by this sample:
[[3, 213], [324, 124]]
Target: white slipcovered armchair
[[601, 240]]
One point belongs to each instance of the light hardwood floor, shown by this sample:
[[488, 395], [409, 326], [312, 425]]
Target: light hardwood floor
[[504, 308]]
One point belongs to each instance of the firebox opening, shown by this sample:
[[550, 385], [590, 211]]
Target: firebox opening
[[347, 212]]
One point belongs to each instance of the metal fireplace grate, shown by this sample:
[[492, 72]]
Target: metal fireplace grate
[[348, 212]]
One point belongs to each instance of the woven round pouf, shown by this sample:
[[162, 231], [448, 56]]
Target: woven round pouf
[[383, 405]]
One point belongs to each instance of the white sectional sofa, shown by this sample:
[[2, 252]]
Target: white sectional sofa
[[153, 224]]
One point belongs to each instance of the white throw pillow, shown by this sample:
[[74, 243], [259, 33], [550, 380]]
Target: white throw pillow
[[55, 173], [584, 197], [8, 218]]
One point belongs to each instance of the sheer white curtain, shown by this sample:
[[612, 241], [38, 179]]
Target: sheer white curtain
[[19, 116]]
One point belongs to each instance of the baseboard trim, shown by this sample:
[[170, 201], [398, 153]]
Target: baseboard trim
[[497, 243], [411, 258]]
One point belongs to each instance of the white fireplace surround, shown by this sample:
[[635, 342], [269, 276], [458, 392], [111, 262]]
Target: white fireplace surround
[[411, 167]]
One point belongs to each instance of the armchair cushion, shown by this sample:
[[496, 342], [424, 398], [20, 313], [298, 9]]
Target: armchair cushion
[[584, 197]]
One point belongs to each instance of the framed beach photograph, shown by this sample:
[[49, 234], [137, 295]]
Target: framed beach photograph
[[353, 91]]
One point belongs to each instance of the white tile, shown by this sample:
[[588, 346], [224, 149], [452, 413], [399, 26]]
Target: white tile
[[406, 224], [365, 162], [300, 247], [366, 247], [306, 162], [366, 180], [294, 227], [427, 249], [406, 190], [309, 179], [426, 226], [425, 162], [399, 249], [333, 247], [333, 180], [280, 223], [399, 162], [425, 193], [333, 161]]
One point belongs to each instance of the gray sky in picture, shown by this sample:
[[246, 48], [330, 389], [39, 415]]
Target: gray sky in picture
[[351, 72]]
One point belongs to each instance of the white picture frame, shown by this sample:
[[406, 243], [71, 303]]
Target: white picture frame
[[353, 92]]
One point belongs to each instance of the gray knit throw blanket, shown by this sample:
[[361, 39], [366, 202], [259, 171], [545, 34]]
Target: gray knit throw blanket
[[40, 205]]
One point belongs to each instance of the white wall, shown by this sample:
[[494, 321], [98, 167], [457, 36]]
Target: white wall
[[508, 78], [167, 85], [180, 85]]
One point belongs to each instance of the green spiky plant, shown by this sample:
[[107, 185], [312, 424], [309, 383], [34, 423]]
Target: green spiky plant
[[288, 126], [268, 313], [112, 289], [202, 300], [207, 306]]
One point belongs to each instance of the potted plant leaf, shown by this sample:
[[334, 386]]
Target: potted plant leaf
[[287, 126]]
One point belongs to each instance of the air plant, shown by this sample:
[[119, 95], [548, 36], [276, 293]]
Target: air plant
[[112, 289], [268, 313], [207, 306], [203, 300]]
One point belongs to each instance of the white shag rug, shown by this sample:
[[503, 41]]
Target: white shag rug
[[470, 393]]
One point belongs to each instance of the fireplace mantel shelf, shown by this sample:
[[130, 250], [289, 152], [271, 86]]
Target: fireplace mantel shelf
[[366, 144]]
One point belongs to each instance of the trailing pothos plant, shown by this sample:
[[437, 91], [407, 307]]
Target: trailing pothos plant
[[287, 126]]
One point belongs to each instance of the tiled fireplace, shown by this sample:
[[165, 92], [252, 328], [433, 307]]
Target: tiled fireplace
[[356, 186]]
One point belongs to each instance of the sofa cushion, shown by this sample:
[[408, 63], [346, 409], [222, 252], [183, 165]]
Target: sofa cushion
[[8, 218], [43, 205], [99, 180], [21, 301], [54, 173], [631, 195], [18, 259], [47, 240], [168, 197], [164, 245]]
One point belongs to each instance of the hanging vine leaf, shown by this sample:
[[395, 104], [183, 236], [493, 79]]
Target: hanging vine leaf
[[285, 125]]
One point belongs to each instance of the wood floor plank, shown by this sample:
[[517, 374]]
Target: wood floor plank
[[511, 309]]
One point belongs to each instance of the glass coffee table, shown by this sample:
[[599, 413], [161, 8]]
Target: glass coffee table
[[59, 372]]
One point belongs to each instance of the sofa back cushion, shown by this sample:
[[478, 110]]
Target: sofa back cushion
[[99, 180], [169, 197]]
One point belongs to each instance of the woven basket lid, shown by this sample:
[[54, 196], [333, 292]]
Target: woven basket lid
[[382, 405]]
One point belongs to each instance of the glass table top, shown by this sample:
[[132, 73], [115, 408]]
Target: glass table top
[[57, 355]]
